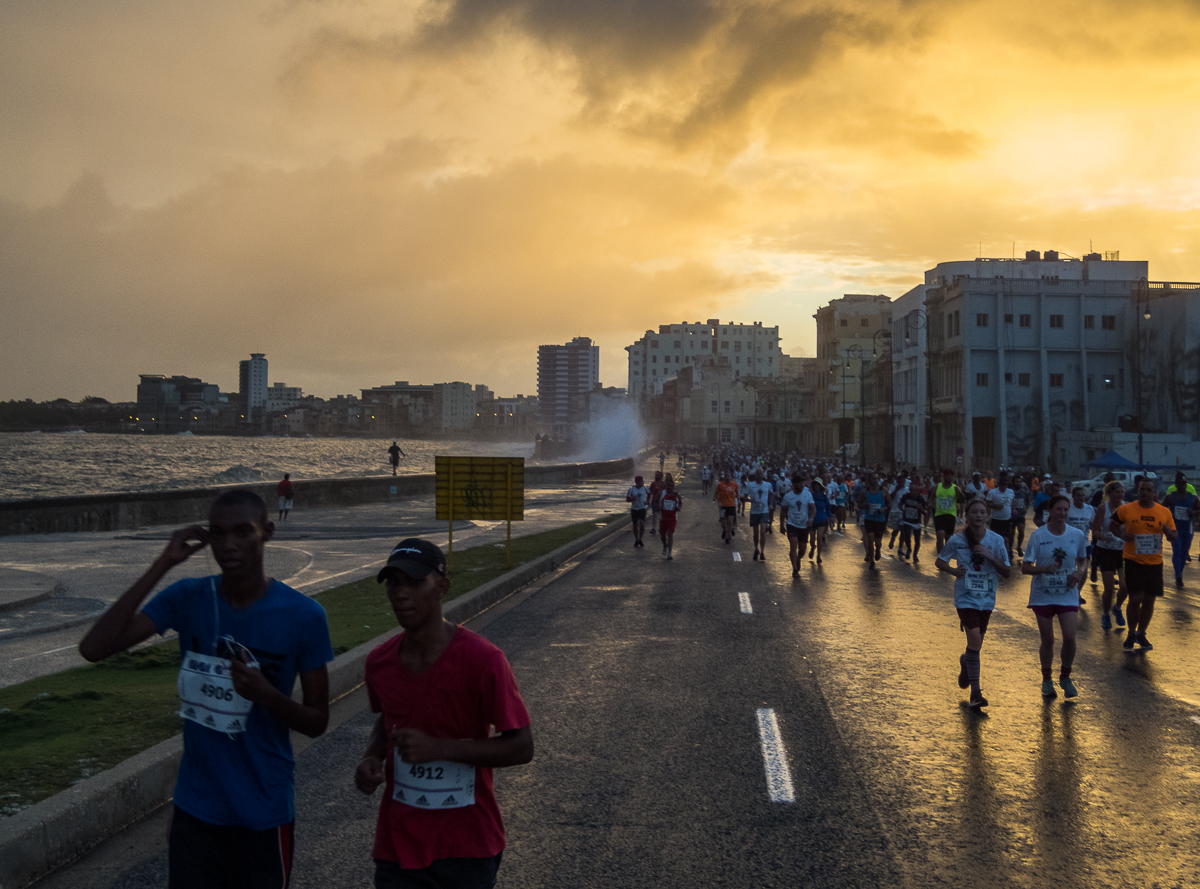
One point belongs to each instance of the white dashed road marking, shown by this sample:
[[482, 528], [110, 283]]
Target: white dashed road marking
[[744, 602], [737, 557], [779, 776]]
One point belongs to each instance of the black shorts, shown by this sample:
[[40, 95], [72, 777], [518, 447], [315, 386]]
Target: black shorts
[[945, 524], [1109, 559], [729, 512], [760, 518], [973, 619], [1144, 580], [462, 873], [1018, 521], [876, 528], [818, 526], [204, 855], [800, 534], [1003, 527], [638, 515]]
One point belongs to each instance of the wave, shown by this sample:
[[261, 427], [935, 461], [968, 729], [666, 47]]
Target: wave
[[239, 474]]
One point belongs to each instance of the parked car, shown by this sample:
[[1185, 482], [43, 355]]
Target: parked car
[[1124, 476]]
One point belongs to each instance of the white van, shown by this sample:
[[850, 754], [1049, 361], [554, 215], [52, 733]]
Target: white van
[[1124, 476]]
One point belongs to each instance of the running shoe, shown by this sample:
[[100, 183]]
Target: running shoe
[[1130, 638], [1179, 582], [1020, 552], [1105, 622], [795, 572], [1118, 616], [963, 679], [664, 550], [1143, 643], [878, 555], [1094, 569], [754, 558], [1068, 687], [916, 561], [978, 700], [670, 558], [1048, 689]]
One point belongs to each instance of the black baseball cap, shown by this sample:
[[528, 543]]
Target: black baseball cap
[[415, 557]]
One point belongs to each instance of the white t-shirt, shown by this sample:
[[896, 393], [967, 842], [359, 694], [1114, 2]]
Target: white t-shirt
[[760, 497], [978, 588], [638, 497], [797, 507], [1080, 517], [1005, 500], [1041, 550], [973, 490], [1109, 540]]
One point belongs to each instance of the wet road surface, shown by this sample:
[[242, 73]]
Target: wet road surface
[[646, 680]]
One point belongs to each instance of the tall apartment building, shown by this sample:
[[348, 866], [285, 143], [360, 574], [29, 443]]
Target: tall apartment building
[[565, 375], [1023, 350], [175, 404], [752, 349], [252, 387], [846, 338]]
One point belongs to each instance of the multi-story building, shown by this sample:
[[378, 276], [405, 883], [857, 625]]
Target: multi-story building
[[176, 404], [752, 349], [454, 407], [849, 330], [565, 375], [281, 396], [1023, 350], [910, 378], [252, 387]]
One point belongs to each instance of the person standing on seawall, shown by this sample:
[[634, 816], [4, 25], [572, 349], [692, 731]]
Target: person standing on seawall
[[284, 492], [394, 455]]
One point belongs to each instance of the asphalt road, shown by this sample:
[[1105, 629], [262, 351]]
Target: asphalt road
[[313, 550], [645, 679]]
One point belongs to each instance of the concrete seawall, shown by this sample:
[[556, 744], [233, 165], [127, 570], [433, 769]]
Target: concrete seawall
[[132, 510]]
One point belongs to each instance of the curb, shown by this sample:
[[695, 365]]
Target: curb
[[14, 604], [57, 830], [50, 628]]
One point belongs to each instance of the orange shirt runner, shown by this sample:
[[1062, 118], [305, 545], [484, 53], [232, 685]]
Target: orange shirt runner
[[727, 493], [1146, 524]]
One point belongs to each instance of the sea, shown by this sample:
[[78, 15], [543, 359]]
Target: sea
[[58, 464]]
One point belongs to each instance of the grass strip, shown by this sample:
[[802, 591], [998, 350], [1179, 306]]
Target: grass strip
[[57, 730]]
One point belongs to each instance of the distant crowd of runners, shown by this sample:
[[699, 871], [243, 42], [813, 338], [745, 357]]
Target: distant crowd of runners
[[978, 525]]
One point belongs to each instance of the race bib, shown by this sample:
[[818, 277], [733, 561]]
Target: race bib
[[945, 503], [1055, 584], [911, 514], [668, 506], [1018, 504], [980, 582], [1081, 524], [1147, 544], [1182, 514], [206, 695], [433, 785]]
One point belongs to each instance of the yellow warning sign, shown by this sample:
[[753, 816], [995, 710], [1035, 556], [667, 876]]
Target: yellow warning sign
[[487, 488]]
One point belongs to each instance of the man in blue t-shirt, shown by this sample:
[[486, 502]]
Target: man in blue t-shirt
[[244, 638]]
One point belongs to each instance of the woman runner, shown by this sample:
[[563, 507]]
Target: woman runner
[[1108, 556], [816, 535], [981, 557], [1054, 590]]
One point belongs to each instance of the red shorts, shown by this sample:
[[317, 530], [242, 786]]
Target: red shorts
[[667, 522]]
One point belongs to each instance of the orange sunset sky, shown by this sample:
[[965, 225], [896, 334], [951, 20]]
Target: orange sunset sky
[[376, 191]]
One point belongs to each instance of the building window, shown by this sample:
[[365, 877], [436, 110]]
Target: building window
[[1025, 321], [1008, 378], [676, 359], [843, 323], [704, 344], [865, 322], [957, 322], [1056, 381], [653, 373], [1089, 322], [1008, 319], [981, 319], [981, 379], [1108, 322], [653, 344], [738, 360], [1090, 380], [654, 359], [1056, 321], [714, 407], [678, 344], [727, 407], [737, 347], [725, 344], [1023, 380]]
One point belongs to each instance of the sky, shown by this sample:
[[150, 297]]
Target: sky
[[427, 190]]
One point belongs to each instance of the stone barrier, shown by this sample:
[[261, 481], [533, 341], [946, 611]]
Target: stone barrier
[[128, 511]]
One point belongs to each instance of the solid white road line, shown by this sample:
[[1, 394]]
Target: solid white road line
[[744, 602], [779, 776], [737, 557]]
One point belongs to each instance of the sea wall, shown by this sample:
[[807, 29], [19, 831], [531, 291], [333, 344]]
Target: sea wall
[[132, 510]]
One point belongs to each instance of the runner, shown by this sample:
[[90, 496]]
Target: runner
[[762, 501], [670, 502], [234, 817], [726, 495], [841, 499], [656, 488], [705, 479], [1020, 505], [1054, 591], [912, 507], [980, 558], [873, 503], [638, 498], [945, 510], [896, 492], [1108, 559], [1041, 501], [1145, 524], [816, 535], [449, 713], [1183, 506], [1097, 500], [796, 515], [1080, 516], [975, 488], [1000, 501]]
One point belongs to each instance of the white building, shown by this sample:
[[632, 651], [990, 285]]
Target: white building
[[281, 396], [454, 406], [752, 350], [910, 377], [252, 387]]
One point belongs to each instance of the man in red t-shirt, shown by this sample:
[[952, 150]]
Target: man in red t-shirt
[[669, 502], [656, 488], [450, 712], [284, 492]]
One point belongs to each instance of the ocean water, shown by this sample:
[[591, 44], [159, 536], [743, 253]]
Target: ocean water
[[54, 464]]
